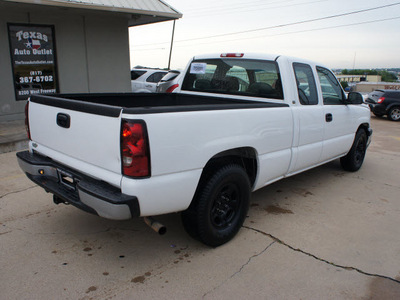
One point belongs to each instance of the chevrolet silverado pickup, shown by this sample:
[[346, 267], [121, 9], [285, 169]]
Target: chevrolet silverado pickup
[[238, 123]]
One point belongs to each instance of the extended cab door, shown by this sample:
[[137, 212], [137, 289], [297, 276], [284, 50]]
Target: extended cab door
[[339, 118], [309, 116]]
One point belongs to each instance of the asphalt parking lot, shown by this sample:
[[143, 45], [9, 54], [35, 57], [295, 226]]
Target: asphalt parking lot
[[323, 234]]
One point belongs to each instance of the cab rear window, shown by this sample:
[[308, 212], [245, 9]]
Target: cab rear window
[[254, 78]]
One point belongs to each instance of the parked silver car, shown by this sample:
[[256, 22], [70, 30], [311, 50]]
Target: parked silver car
[[169, 82]]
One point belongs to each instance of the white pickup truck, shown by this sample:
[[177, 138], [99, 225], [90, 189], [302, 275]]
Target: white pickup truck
[[239, 122]]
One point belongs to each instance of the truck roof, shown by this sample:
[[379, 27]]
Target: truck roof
[[253, 55], [247, 55]]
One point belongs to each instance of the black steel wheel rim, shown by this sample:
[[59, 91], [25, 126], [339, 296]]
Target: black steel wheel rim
[[360, 150], [225, 206]]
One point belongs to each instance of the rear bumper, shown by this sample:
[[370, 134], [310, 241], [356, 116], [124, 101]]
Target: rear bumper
[[88, 194], [378, 109]]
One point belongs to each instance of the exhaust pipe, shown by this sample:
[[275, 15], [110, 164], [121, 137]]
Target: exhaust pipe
[[155, 225]]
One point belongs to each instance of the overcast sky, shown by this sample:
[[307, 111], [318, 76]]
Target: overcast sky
[[337, 33]]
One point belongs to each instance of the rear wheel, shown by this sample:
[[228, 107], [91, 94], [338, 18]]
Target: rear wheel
[[378, 115], [355, 158], [394, 114], [219, 207]]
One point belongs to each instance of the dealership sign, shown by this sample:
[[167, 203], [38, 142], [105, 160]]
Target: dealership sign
[[33, 57]]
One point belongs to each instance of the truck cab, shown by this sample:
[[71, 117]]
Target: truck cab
[[323, 121]]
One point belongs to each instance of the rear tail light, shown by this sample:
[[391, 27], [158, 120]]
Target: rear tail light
[[135, 152], [172, 88], [381, 99], [28, 131]]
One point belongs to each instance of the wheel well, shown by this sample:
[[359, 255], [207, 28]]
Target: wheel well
[[245, 157], [365, 127], [394, 105]]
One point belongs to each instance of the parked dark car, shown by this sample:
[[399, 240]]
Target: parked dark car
[[385, 102]]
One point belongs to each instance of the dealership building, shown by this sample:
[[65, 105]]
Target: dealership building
[[68, 46]]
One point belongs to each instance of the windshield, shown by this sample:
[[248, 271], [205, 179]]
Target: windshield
[[255, 78]]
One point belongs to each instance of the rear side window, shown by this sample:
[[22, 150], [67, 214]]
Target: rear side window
[[246, 77], [156, 77], [306, 88], [136, 74]]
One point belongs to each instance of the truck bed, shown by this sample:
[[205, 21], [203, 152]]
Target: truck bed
[[147, 103]]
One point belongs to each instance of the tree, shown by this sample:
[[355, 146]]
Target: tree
[[388, 76], [344, 84]]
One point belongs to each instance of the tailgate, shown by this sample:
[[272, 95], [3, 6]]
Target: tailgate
[[81, 135]]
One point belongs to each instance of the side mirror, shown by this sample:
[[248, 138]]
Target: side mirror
[[354, 98]]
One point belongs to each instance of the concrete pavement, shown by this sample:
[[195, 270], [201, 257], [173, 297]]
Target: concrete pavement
[[13, 136], [323, 234]]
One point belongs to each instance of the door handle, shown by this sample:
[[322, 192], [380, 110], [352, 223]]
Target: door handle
[[328, 118]]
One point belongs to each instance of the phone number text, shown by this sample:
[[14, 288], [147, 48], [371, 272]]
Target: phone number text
[[37, 79]]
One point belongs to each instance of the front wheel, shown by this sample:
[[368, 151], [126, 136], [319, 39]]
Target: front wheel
[[354, 159], [394, 114], [220, 206]]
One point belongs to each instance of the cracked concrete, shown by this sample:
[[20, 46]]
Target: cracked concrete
[[324, 234], [240, 269], [347, 268], [19, 191], [251, 258]]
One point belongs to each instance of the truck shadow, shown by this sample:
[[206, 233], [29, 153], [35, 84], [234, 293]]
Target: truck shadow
[[299, 187]]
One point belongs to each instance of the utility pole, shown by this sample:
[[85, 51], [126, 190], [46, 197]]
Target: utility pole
[[172, 43]]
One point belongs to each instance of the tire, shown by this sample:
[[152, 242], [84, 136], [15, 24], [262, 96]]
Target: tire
[[219, 207], [377, 115], [354, 159], [394, 114]]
